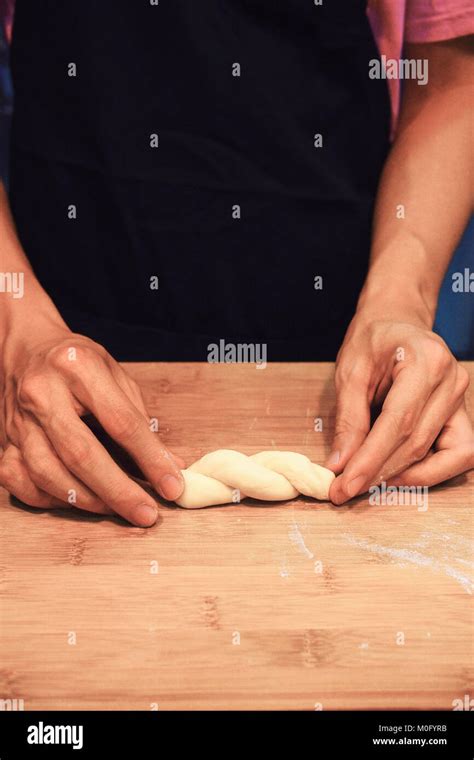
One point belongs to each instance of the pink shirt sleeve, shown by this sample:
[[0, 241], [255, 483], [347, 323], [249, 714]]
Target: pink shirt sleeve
[[395, 22], [434, 20]]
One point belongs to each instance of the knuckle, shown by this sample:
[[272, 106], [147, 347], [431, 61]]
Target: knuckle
[[403, 423], [77, 455], [440, 357], [31, 392], [70, 358], [38, 469], [125, 424], [349, 374], [87, 357], [60, 357], [419, 449]]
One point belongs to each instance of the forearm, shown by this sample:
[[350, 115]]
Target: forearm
[[425, 196], [25, 307]]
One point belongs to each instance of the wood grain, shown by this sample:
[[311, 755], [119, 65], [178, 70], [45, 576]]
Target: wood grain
[[286, 606]]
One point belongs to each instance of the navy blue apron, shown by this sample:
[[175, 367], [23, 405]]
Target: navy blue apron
[[175, 192]]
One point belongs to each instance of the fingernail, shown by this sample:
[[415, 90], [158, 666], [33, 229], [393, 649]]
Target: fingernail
[[170, 487], [353, 487], [145, 514], [334, 458]]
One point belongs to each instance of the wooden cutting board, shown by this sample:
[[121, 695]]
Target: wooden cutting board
[[299, 605]]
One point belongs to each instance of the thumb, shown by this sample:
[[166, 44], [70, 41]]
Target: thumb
[[352, 420]]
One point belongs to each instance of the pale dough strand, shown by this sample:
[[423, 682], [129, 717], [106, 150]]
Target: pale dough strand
[[224, 476]]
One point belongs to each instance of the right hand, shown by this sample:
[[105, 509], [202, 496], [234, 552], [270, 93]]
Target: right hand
[[50, 456]]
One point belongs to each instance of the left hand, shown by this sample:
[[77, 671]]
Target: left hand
[[423, 434]]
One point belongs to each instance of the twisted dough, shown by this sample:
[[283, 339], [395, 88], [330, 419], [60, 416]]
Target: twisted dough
[[226, 476]]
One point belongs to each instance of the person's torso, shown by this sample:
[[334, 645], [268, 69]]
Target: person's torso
[[230, 149]]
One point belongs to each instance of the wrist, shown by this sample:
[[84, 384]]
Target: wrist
[[27, 321], [403, 280], [402, 301], [397, 288]]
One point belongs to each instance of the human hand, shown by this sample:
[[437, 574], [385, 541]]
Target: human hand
[[409, 372], [50, 456]]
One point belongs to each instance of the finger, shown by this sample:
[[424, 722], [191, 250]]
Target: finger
[[15, 479], [132, 390], [83, 455], [129, 386], [352, 416], [400, 414], [458, 429], [92, 386], [440, 466], [455, 455], [128, 427], [439, 408], [50, 475], [179, 460]]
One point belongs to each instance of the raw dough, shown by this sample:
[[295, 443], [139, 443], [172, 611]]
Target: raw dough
[[226, 476]]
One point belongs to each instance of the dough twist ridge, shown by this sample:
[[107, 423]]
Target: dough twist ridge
[[227, 476]]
